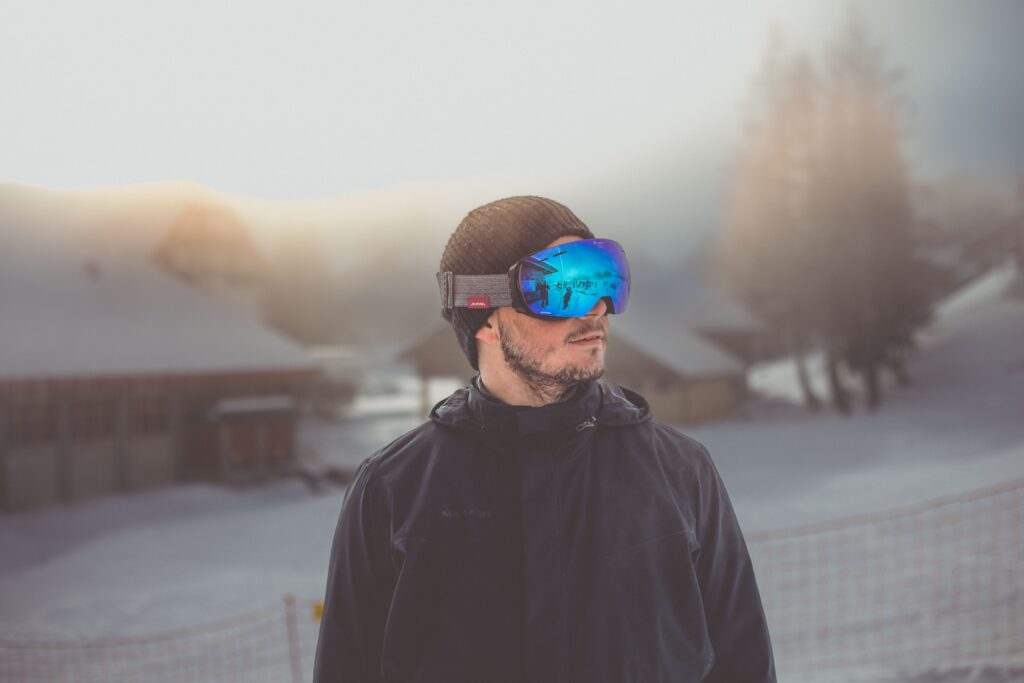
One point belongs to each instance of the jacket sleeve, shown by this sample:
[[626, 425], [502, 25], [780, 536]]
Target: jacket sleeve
[[732, 602], [359, 588]]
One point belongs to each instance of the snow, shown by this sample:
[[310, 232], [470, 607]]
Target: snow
[[252, 404], [125, 315], [206, 553], [147, 562]]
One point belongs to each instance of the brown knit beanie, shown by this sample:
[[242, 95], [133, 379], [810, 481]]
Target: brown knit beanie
[[490, 239]]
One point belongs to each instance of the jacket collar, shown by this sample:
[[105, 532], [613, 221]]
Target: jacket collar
[[596, 403]]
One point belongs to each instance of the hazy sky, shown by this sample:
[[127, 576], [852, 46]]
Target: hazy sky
[[303, 100]]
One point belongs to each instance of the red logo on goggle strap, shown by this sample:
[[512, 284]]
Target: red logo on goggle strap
[[482, 301]]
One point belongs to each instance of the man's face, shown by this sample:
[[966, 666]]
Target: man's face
[[545, 353]]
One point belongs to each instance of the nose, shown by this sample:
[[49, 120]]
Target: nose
[[599, 309]]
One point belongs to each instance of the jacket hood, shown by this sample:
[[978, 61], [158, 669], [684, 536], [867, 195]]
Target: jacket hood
[[597, 402]]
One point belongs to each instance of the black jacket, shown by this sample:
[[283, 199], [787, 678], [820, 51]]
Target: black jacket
[[579, 542]]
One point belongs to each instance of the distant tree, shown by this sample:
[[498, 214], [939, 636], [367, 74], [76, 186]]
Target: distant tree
[[875, 292], [209, 245], [762, 253], [819, 233]]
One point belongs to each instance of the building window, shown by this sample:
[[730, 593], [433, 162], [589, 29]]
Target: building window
[[31, 424], [149, 415], [93, 419], [243, 443], [279, 440]]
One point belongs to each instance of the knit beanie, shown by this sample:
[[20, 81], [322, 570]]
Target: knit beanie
[[490, 239]]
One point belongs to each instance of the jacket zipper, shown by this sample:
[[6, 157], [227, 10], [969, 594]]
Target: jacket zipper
[[589, 422]]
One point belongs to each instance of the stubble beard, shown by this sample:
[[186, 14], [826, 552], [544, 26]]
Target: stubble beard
[[552, 386]]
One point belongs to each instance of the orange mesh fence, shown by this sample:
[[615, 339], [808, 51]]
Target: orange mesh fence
[[936, 585]]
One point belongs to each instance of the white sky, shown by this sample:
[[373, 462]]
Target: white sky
[[304, 99]]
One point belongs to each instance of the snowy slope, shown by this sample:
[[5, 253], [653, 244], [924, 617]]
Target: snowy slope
[[957, 426]]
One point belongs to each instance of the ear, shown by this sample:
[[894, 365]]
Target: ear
[[488, 332]]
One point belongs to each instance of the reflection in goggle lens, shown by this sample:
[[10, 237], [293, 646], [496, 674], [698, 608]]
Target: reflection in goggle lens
[[568, 280]]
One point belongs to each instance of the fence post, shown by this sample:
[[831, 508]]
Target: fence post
[[291, 622]]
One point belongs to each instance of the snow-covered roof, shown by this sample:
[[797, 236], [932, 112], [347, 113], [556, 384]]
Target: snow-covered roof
[[989, 286], [69, 307], [254, 404], [664, 315], [700, 305], [987, 305], [668, 340]]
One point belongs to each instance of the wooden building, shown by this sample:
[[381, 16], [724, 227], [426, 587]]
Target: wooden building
[[685, 378], [116, 376]]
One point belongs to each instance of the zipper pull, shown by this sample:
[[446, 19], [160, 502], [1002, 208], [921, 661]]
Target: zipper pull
[[590, 422]]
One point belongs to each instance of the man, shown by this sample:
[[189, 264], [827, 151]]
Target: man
[[541, 526]]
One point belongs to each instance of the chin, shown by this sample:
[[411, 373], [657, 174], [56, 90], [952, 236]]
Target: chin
[[593, 371]]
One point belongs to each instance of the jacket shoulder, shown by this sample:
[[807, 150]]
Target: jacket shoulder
[[625, 408], [683, 448], [401, 455]]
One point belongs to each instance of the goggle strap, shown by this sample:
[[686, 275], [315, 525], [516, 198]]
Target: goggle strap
[[456, 289]]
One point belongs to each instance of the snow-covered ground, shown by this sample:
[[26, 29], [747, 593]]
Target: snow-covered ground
[[958, 426], [147, 562]]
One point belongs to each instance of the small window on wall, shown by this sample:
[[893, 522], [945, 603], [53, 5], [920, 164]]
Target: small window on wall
[[149, 415], [94, 419], [31, 424], [279, 439]]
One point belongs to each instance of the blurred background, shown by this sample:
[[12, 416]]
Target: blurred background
[[219, 228]]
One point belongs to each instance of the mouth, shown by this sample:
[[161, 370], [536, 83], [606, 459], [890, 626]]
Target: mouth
[[595, 338]]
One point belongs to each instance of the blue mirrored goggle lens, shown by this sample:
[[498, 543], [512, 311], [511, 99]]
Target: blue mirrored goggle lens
[[566, 281]]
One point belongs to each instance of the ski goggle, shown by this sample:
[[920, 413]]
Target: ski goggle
[[564, 281]]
